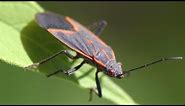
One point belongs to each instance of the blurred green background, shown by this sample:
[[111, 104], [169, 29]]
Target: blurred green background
[[138, 32]]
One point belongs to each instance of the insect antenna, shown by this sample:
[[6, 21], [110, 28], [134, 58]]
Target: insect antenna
[[154, 62]]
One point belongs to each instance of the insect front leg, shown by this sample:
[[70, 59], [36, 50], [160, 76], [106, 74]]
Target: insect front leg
[[66, 52], [98, 92], [69, 71], [98, 27], [72, 70]]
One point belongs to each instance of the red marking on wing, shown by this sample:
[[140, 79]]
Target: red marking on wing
[[75, 26], [84, 42], [67, 32], [89, 42], [113, 55], [99, 62], [107, 56], [71, 22]]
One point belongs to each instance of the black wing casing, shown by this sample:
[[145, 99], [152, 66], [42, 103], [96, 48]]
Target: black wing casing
[[51, 20], [76, 36], [62, 29]]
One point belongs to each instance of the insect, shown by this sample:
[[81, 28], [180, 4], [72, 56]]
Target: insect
[[86, 44]]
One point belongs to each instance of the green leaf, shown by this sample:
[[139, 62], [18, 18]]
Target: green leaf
[[23, 42]]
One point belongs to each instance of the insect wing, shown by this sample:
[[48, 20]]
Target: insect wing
[[75, 36], [61, 29], [50, 20]]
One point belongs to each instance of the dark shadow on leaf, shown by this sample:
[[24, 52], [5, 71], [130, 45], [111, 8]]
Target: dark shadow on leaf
[[40, 44]]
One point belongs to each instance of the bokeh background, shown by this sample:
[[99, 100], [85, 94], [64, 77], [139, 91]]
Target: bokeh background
[[138, 32]]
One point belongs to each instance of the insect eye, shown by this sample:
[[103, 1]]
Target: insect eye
[[111, 73]]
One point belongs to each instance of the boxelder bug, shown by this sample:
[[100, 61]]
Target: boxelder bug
[[86, 44]]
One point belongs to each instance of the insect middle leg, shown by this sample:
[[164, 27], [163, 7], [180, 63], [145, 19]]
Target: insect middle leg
[[66, 52], [69, 71], [99, 91]]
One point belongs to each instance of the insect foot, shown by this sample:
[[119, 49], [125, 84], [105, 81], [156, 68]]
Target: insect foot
[[70, 71], [92, 90], [32, 66]]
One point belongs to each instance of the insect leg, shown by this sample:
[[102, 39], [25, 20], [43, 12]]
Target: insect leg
[[72, 70], [66, 52], [98, 27], [99, 93], [69, 71]]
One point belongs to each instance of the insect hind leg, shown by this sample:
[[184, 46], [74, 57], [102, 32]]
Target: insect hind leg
[[66, 52]]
